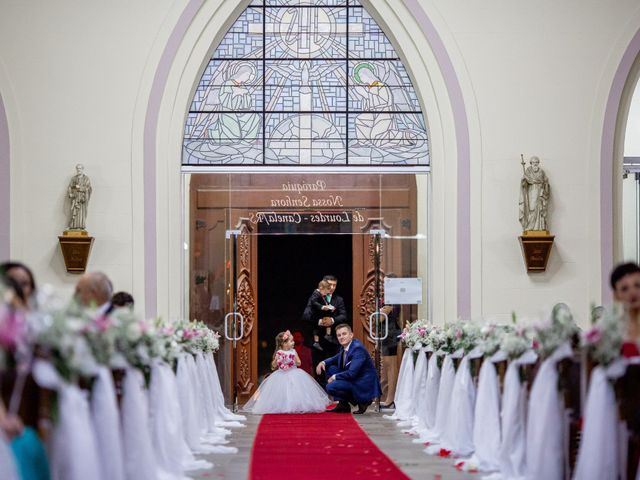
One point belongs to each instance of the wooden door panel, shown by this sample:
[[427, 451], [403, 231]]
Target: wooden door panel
[[228, 201], [247, 303]]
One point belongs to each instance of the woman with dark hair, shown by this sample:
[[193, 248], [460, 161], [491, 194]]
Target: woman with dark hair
[[28, 450], [625, 283], [122, 299], [19, 278]]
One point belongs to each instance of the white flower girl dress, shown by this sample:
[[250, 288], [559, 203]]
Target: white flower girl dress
[[288, 390]]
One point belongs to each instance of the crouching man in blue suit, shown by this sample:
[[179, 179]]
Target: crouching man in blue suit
[[351, 375]]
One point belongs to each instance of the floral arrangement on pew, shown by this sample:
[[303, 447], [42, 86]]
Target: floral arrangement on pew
[[516, 341], [492, 336], [77, 340], [463, 335], [195, 336], [415, 335], [558, 329], [603, 341]]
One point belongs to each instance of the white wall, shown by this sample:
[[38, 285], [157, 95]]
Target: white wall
[[75, 78], [70, 76], [540, 74]]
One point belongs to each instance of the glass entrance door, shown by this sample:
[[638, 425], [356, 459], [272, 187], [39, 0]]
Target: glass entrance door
[[260, 243]]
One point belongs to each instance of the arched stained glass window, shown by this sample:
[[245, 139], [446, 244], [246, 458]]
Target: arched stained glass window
[[297, 82]]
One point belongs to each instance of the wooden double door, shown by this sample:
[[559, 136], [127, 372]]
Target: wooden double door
[[230, 214]]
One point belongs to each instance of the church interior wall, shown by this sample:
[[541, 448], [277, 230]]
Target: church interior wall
[[72, 74], [76, 78]]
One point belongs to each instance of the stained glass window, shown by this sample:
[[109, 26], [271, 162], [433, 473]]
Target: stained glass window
[[313, 82]]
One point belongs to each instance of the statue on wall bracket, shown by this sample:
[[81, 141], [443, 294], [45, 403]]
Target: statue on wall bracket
[[536, 240], [75, 241]]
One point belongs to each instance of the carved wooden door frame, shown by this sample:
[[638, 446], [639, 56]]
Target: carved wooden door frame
[[246, 272]]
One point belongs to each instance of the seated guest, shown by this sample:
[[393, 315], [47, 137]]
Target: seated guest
[[19, 278], [94, 289], [28, 450], [122, 299], [625, 282], [351, 376]]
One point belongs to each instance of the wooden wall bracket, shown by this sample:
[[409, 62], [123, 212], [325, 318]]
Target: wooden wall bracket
[[536, 247], [76, 247]]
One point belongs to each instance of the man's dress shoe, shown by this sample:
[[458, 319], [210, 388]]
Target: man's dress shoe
[[362, 407], [342, 407]]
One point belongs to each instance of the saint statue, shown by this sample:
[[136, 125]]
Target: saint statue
[[79, 192], [534, 196]]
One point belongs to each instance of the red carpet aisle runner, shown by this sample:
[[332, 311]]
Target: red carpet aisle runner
[[317, 446]]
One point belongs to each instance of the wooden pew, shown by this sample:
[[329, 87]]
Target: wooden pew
[[628, 396]]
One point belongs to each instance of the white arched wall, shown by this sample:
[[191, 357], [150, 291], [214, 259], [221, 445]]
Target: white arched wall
[[540, 79], [450, 290], [5, 184], [614, 128]]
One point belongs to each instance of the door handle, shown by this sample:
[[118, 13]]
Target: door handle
[[226, 326], [386, 326]]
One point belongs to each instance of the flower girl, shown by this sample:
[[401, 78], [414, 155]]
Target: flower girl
[[288, 389]]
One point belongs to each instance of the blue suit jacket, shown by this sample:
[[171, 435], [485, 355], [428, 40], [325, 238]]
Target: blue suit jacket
[[357, 370]]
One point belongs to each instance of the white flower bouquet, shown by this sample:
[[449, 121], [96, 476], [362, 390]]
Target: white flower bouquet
[[463, 335], [603, 340], [557, 330], [491, 337], [196, 337], [414, 335], [515, 342], [62, 338]]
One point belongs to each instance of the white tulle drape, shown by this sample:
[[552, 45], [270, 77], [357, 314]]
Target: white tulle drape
[[514, 416], [458, 434], [427, 413], [189, 407], [106, 419], [447, 378], [209, 432], [598, 453], [546, 421], [74, 454], [404, 388], [486, 429], [419, 384], [216, 391], [171, 450], [139, 461], [151, 437]]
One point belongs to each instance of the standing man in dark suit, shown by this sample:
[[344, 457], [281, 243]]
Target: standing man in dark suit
[[326, 319]]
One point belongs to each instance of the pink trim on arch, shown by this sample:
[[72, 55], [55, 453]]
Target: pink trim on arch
[[149, 157], [5, 186], [462, 139], [464, 156], [606, 163]]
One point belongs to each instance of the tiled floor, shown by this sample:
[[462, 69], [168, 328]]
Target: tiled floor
[[386, 435]]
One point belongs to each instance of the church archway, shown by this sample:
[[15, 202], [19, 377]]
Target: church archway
[[612, 161], [184, 61]]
